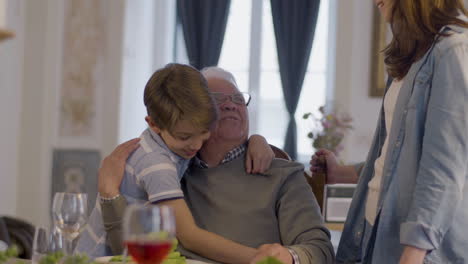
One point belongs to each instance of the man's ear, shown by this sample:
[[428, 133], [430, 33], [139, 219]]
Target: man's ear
[[152, 124]]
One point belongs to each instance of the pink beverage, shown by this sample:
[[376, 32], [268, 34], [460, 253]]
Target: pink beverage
[[148, 252]]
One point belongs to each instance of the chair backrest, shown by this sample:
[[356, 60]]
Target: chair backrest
[[317, 183], [18, 232], [279, 153]]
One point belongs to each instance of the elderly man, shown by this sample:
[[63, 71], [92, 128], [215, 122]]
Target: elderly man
[[276, 212]]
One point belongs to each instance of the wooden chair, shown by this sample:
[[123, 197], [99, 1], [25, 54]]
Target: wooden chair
[[317, 183], [279, 153]]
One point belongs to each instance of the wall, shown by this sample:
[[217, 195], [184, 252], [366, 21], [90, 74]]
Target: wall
[[352, 71], [11, 63], [30, 80]]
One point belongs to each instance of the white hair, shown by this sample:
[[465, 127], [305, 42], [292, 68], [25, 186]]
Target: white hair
[[218, 73]]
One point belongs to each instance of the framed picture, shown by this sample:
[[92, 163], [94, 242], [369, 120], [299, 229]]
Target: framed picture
[[76, 171], [379, 41]]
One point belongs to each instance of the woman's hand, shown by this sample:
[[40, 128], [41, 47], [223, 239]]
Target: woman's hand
[[325, 160], [259, 155], [112, 168]]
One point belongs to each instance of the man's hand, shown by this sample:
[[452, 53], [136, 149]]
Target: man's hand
[[412, 255], [112, 168], [259, 155], [273, 250]]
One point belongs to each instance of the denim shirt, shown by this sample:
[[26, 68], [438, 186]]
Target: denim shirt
[[424, 198]]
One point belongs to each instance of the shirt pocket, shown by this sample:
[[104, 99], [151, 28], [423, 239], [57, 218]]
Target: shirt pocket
[[417, 104], [420, 90]]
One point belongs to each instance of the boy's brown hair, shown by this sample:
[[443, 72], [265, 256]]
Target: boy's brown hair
[[179, 92]]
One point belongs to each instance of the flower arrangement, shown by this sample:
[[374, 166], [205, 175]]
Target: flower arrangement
[[330, 129]]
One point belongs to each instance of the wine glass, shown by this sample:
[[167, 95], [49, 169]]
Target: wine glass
[[69, 212], [46, 242], [148, 232]]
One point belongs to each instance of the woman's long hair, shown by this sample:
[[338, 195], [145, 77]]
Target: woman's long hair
[[415, 24]]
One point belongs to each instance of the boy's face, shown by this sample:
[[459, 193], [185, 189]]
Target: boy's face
[[185, 140]]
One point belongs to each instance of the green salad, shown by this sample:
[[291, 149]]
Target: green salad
[[11, 252], [270, 260]]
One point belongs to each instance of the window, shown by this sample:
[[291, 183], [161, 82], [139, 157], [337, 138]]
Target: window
[[249, 52]]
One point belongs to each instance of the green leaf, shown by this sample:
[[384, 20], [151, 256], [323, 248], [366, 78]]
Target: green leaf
[[269, 260]]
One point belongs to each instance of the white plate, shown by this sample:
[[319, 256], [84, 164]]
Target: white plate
[[192, 261], [107, 259], [3, 246]]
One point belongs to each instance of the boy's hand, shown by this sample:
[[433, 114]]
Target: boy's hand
[[112, 168], [259, 155], [273, 250]]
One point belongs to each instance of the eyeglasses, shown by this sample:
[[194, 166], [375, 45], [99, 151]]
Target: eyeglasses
[[237, 98]]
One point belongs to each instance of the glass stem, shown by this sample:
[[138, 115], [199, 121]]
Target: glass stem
[[68, 247]]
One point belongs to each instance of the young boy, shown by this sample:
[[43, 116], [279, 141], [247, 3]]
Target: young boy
[[180, 116]]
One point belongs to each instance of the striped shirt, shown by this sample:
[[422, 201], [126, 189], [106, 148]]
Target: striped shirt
[[152, 174]]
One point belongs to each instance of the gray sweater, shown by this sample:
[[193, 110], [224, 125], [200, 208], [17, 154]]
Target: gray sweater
[[278, 207]]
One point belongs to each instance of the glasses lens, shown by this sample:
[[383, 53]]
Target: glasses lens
[[238, 98], [219, 97]]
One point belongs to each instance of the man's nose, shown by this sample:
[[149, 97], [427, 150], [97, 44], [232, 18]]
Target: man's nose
[[228, 105]]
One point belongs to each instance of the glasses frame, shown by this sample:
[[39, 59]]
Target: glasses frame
[[247, 97]]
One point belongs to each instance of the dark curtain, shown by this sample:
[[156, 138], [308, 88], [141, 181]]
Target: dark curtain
[[294, 23], [203, 23]]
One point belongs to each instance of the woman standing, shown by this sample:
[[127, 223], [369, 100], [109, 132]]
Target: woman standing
[[411, 202]]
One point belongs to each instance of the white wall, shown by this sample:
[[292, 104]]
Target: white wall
[[11, 63], [353, 70], [30, 80]]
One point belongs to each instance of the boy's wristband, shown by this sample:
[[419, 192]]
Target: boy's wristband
[[110, 199]]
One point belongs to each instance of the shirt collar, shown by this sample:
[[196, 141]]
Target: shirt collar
[[230, 156], [455, 28]]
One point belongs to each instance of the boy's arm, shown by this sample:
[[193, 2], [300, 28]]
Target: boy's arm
[[259, 155], [113, 204], [205, 243], [112, 215]]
